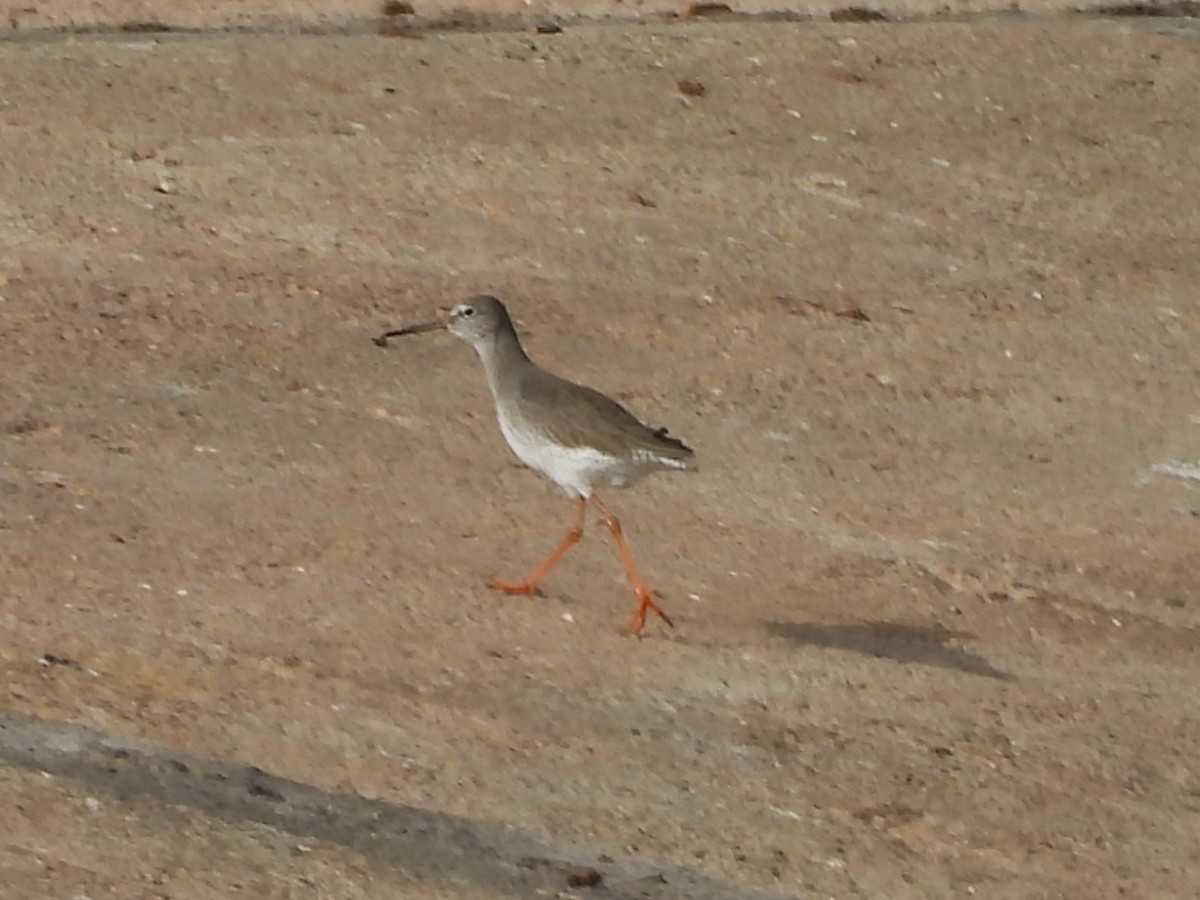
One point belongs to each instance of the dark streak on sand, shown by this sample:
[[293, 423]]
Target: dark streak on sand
[[427, 845]]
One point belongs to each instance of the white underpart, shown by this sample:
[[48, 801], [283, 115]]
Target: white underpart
[[575, 469]]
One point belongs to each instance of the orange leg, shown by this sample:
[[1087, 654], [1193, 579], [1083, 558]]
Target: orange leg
[[644, 598], [530, 584]]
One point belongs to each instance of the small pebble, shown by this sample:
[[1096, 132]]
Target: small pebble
[[587, 877]]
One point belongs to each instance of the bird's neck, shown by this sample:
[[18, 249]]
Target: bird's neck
[[503, 358]]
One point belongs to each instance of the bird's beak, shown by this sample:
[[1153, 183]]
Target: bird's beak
[[409, 329]]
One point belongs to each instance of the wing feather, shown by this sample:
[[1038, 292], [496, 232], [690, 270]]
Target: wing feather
[[574, 415]]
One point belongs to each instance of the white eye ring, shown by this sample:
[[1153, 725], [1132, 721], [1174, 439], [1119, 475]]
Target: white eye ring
[[467, 312]]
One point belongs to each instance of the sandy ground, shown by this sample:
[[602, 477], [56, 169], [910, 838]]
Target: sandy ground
[[924, 299]]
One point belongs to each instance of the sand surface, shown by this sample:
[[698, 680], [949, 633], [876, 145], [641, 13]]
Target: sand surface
[[924, 297]]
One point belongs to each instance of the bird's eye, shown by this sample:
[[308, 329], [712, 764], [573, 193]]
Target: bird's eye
[[468, 312]]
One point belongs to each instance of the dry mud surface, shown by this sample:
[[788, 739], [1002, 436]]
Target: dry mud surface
[[923, 297]]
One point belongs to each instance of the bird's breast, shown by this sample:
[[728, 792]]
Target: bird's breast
[[572, 468]]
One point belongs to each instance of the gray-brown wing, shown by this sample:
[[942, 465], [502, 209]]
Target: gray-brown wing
[[576, 416]]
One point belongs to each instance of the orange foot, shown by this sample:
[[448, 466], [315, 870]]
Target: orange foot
[[526, 588], [645, 604]]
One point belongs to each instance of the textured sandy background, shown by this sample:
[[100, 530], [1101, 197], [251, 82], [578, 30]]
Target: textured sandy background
[[922, 296], [353, 14]]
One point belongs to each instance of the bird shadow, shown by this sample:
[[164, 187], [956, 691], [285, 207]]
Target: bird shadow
[[928, 645]]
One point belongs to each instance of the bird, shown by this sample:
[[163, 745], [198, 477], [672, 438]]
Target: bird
[[574, 435]]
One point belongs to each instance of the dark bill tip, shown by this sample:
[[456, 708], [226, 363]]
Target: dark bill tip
[[382, 340]]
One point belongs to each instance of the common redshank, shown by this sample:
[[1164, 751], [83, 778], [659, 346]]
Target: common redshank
[[574, 435]]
